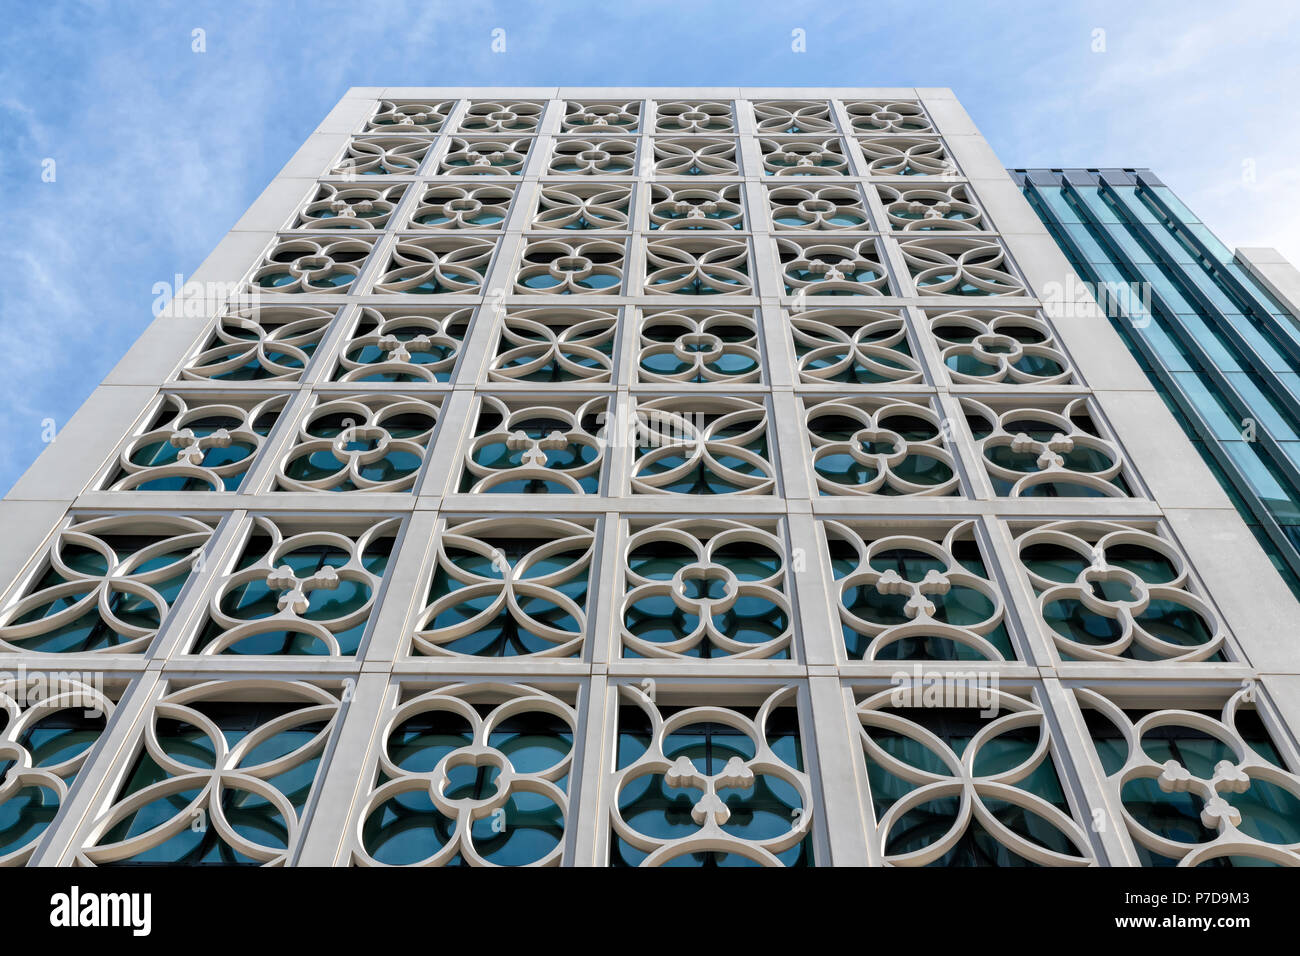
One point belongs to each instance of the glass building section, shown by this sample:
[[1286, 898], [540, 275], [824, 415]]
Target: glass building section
[[1222, 352]]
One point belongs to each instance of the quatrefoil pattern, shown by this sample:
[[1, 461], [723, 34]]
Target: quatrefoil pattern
[[931, 208], [988, 346], [1109, 591], [105, 585], [582, 117], [360, 443], [698, 345], [403, 345], [403, 117], [694, 208], [513, 118], [508, 587], [470, 775], [584, 205], [698, 266], [815, 208], [344, 206], [567, 267], [596, 156], [906, 156], [436, 265], [1054, 449], [960, 266], [794, 116], [879, 446], [705, 589], [866, 116], [695, 156], [313, 266], [804, 156], [834, 266], [706, 116], [445, 207], [480, 156], [382, 156]]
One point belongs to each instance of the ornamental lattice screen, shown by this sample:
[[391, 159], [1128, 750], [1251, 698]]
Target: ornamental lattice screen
[[638, 477]]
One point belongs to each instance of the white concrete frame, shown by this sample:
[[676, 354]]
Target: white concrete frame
[[1183, 501]]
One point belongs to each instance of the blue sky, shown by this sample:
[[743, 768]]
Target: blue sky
[[159, 149]]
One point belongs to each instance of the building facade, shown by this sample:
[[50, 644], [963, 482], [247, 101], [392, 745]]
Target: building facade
[[649, 477], [1216, 334]]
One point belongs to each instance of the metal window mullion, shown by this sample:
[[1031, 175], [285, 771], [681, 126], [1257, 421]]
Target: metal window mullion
[[323, 363], [346, 777], [375, 265], [1175, 327], [1029, 634], [1281, 715], [489, 312], [1225, 328], [189, 612], [851, 803], [780, 364], [588, 829], [283, 437], [525, 204], [891, 256], [842, 831], [620, 447], [406, 207], [1274, 330], [443, 135], [455, 431], [926, 349], [404, 590], [788, 447], [1085, 778], [603, 640], [815, 595], [973, 479]]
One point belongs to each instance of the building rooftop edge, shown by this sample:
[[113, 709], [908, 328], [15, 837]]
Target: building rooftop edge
[[1084, 175], [932, 92]]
